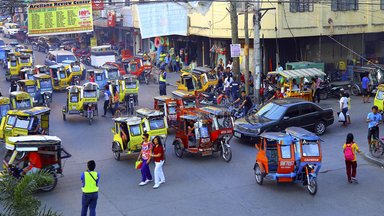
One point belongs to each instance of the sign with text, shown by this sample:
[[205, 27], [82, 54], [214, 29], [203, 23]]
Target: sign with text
[[162, 19], [97, 5], [235, 50], [65, 17]]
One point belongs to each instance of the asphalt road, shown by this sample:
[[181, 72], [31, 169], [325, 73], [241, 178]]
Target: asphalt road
[[206, 186]]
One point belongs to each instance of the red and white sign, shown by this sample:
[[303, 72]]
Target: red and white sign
[[111, 18], [97, 5]]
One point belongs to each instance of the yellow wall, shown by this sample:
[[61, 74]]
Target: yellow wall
[[216, 23]]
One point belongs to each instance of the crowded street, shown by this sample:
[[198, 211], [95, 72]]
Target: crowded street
[[198, 185]]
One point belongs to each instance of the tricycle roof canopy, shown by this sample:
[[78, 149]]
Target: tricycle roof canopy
[[162, 98], [149, 112], [30, 112], [299, 73], [214, 110], [181, 94], [301, 133], [34, 140], [129, 120], [286, 138]]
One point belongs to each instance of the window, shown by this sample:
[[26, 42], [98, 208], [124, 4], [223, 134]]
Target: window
[[135, 130], [382, 4], [22, 123], [285, 151], [23, 104], [301, 6], [344, 5], [308, 108], [271, 111], [293, 112], [156, 124], [90, 94], [380, 95], [11, 120], [311, 149]]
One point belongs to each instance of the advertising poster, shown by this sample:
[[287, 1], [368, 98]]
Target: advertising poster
[[65, 17]]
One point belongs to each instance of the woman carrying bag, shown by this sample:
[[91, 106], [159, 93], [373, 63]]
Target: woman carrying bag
[[158, 156]]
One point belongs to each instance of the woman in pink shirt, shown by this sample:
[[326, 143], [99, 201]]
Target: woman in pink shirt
[[145, 156]]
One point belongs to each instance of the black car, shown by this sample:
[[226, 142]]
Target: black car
[[46, 44], [280, 114]]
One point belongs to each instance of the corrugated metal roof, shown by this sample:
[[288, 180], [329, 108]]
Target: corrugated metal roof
[[299, 73]]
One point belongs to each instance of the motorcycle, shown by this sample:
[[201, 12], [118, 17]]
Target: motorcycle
[[130, 104], [216, 96]]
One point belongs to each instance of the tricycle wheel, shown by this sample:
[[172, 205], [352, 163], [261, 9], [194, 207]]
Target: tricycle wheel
[[51, 186], [312, 186], [258, 175], [355, 90], [116, 155], [178, 149], [226, 153], [376, 148]]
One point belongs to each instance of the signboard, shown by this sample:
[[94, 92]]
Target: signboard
[[97, 5], [64, 17], [111, 18], [235, 50], [162, 19]]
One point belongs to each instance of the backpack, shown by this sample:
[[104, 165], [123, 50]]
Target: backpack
[[348, 153]]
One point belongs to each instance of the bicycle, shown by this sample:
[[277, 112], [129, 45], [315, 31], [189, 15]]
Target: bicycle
[[376, 147]]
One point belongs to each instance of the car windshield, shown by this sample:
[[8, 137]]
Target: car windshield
[[311, 149], [135, 130], [4, 109], [22, 123], [24, 60], [271, 111], [63, 75], [113, 74], [204, 133], [285, 151], [380, 95], [23, 104], [61, 58], [130, 85], [155, 124], [30, 89], [46, 84], [90, 94], [13, 63]]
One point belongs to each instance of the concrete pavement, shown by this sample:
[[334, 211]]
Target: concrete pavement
[[207, 186]]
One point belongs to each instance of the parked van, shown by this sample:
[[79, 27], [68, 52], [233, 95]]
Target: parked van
[[10, 29]]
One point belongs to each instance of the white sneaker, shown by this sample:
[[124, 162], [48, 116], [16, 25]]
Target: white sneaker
[[143, 183], [147, 181], [162, 182], [156, 186]]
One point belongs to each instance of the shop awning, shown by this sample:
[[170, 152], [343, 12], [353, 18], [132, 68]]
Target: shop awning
[[299, 73]]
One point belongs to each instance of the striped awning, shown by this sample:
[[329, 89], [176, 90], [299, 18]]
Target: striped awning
[[299, 73]]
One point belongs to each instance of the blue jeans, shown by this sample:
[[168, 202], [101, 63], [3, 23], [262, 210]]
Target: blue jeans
[[163, 88], [344, 111], [145, 172], [89, 200]]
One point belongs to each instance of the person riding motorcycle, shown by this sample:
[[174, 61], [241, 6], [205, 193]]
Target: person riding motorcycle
[[246, 103]]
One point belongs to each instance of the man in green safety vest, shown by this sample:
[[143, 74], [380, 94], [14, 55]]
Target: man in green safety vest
[[163, 81], [90, 188]]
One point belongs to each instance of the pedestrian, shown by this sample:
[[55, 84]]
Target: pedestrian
[[279, 67], [344, 107], [145, 156], [90, 188], [230, 65], [115, 103], [349, 108], [13, 86], [163, 81], [350, 148], [365, 88], [158, 156], [227, 84], [220, 65], [374, 119], [107, 99], [235, 89]]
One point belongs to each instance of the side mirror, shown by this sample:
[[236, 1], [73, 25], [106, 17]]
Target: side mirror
[[286, 118]]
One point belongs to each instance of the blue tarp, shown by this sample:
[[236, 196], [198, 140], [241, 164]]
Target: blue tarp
[[2, 54]]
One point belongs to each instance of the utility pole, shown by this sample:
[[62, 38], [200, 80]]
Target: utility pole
[[257, 51], [235, 37], [246, 49]]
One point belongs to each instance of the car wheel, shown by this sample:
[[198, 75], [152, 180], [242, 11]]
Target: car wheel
[[355, 90], [319, 128]]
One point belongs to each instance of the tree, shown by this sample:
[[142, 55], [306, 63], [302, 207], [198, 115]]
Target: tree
[[235, 36], [17, 198]]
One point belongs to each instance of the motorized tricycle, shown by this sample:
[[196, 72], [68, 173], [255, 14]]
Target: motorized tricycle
[[12, 71], [27, 73], [128, 88], [169, 107], [100, 77], [111, 72], [74, 71], [5, 59], [375, 73], [42, 69], [28, 86], [189, 83], [155, 123], [82, 100], [44, 89], [25, 122], [193, 135], [205, 75], [294, 156], [59, 77], [49, 150], [135, 66], [20, 100], [25, 59], [5, 105], [186, 102], [127, 136], [379, 97]]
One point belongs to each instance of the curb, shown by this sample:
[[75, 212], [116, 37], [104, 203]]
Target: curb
[[369, 158]]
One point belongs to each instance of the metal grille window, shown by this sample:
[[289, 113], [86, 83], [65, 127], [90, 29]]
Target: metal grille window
[[345, 5], [301, 6]]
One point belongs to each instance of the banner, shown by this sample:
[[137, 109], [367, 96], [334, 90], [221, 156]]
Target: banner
[[111, 18], [162, 19], [65, 17], [97, 5]]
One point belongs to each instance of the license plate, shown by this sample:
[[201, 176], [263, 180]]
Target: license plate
[[237, 134], [206, 153]]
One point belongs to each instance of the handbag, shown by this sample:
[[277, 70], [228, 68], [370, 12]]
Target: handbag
[[138, 164]]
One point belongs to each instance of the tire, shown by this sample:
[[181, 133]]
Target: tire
[[312, 186], [376, 148], [355, 91], [226, 153], [64, 118], [179, 151], [319, 128], [259, 176], [46, 51], [52, 186], [116, 154]]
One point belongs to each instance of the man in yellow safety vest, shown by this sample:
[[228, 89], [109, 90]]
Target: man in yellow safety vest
[[163, 81], [90, 188]]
